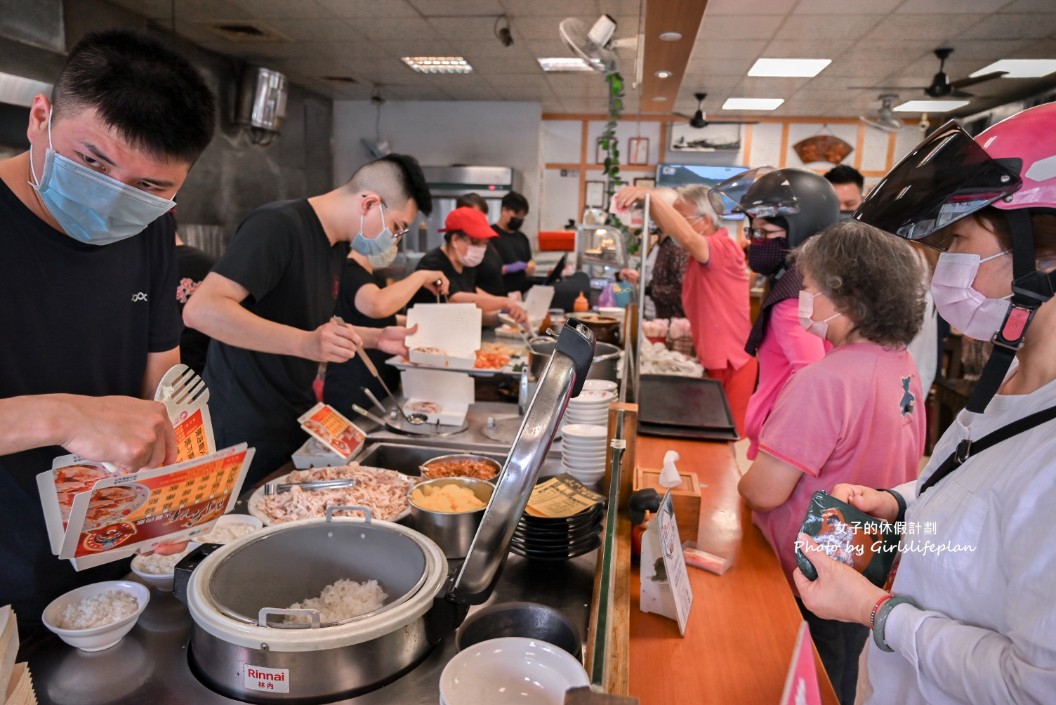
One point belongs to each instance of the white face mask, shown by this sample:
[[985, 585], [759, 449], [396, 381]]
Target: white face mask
[[385, 258], [474, 255], [966, 309], [806, 315]]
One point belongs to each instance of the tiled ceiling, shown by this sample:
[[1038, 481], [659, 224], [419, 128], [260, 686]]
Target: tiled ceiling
[[872, 43]]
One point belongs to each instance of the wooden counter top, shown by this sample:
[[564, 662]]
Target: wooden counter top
[[743, 624]]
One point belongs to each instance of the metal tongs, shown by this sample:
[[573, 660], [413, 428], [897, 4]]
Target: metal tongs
[[414, 419], [522, 330], [310, 486]]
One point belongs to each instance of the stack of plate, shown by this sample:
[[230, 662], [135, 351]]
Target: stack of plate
[[583, 452], [590, 407], [548, 539]]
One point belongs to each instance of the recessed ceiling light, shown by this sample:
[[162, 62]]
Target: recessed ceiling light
[[929, 106], [663, 74], [752, 103], [788, 67], [1020, 68], [564, 64], [659, 98], [670, 36], [438, 64]]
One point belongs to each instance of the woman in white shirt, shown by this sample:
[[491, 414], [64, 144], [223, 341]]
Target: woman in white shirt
[[970, 617]]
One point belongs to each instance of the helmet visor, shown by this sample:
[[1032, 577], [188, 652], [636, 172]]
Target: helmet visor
[[777, 199], [945, 178]]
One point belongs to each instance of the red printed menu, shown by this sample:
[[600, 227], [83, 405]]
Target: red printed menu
[[333, 430], [95, 516]]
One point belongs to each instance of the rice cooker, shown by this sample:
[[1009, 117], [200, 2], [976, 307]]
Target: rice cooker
[[244, 641]]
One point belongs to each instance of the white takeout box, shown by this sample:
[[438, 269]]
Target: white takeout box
[[453, 392], [453, 328], [537, 304]]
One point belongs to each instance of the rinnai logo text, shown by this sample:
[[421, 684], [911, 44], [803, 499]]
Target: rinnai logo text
[[272, 680]]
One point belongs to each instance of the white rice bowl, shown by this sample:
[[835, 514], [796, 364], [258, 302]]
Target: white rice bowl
[[230, 527], [159, 571], [95, 617]]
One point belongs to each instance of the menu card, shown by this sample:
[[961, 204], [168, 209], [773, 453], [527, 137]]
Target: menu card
[[95, 515], [561, 496], [333, 430]]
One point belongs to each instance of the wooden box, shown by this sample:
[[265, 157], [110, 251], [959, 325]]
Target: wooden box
[[685, 498]]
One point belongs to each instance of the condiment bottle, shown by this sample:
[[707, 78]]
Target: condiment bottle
[[581, 305]]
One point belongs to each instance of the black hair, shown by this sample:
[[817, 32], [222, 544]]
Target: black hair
[[412, 179], [515, 202], [472, 200], [153, 97], [844, 174]]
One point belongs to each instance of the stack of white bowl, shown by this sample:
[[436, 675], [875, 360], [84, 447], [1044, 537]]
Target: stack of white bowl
[[590, 407], [583, 452]]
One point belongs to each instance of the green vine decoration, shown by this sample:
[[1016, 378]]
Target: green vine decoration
[[611, 165], [609, 143]]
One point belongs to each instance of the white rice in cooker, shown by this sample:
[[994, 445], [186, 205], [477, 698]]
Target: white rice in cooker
[[342, 600], [98, 611]]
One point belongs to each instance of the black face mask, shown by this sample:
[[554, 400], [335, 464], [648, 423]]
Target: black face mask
[[515, 224], [766, 257]]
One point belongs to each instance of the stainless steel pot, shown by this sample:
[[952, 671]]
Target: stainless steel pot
[[604, 365], [237, 593], [238, 598]]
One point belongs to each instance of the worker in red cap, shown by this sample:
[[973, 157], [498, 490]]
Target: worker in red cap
[[466, 234]]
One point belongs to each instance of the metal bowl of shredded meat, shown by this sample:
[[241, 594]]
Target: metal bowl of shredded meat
[[383, 491]]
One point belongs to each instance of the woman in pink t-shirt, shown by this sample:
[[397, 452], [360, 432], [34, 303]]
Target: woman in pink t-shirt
[[856, 415], [787, 206]]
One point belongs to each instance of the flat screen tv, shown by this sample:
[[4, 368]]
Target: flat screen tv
[[675, 175]]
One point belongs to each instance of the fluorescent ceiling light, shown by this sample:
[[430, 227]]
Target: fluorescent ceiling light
[[752, 103], [788, 67], [564, 64], [438, 64], [929, 106], [670, 36], [1020, 68]]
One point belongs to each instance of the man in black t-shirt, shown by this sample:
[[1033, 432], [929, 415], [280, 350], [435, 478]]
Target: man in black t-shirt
[[87, 278], [513, 245], [466, 236], [269, 301], [192, 265]]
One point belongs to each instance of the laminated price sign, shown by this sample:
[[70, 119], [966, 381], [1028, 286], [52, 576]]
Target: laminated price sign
[[665, 582]]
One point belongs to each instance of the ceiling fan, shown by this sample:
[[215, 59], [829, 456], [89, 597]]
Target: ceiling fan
[[594, 44], [884, 118], [941, 86], [699, 119]]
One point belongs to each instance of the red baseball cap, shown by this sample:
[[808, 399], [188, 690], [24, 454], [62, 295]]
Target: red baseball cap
[[468, 221]]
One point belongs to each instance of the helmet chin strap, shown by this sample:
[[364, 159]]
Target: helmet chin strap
[[1030, 289]]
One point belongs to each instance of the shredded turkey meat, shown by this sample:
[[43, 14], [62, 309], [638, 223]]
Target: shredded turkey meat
[[383, 491]]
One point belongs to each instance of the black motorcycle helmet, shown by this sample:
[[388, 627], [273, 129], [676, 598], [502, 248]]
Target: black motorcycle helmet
[[804, 200]]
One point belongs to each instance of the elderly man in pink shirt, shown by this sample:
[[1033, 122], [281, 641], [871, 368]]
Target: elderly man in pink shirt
[[715, 287]]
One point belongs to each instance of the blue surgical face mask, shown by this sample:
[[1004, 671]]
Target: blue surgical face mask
[[373, 247], [92, 207]]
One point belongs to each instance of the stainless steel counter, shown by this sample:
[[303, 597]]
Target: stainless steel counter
[[150, 665]]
